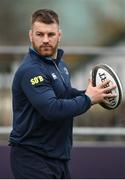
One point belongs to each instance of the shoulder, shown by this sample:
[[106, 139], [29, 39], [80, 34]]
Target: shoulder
[[62, 62], [29, 69]]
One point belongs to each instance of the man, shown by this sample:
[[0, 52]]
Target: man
[[44, 104]]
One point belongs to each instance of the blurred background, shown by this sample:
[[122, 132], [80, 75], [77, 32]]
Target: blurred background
[[93, 32]]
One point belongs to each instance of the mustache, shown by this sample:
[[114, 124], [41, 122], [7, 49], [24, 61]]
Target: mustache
[[45, 45]]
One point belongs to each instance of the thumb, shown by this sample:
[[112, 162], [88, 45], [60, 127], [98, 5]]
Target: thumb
[[90, 81]]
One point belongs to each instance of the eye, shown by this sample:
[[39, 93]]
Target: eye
[[39, 34], [51, 34]]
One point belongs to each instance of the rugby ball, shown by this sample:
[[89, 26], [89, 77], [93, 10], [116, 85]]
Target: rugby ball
[[99, 74]]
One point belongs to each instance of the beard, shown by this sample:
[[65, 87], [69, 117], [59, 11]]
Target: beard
[[45, 49]]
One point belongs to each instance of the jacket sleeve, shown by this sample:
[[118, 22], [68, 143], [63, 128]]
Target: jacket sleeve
[[75, 92], [37, 88]]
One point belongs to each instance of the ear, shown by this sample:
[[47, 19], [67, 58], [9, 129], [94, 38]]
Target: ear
[[60, 34], [30, 35]]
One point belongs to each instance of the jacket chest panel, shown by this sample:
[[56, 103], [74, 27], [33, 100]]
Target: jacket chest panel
[[60, 80]]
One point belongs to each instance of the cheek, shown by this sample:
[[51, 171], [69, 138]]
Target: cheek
[[36, 40], [55, 40]]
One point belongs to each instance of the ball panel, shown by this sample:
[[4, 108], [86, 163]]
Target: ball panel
[[102, 72], [102, 75], [118, 83]]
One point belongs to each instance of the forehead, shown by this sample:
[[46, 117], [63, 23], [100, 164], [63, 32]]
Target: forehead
[[42, 27]]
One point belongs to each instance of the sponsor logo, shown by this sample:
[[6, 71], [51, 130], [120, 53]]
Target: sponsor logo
[[66, 70], [36, 80], [54, 76]]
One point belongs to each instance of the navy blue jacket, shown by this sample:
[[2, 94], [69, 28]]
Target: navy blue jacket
[[44, 104]]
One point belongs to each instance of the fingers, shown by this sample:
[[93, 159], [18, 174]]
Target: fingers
[[110, 95], [109, 89], [104, 84], [90, 81], [107, 86], [101, 92], [108, 98]]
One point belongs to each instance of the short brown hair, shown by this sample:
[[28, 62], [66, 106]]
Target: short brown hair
[[46, 16]]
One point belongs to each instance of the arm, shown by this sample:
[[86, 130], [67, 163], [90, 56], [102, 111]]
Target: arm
[[76, 92], [44, 100]]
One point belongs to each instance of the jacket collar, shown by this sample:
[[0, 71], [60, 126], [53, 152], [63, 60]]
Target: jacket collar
[[38, 57]]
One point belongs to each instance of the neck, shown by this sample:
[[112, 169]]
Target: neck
[[54, 56]]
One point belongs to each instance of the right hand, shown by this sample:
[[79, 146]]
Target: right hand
[[99, 93]]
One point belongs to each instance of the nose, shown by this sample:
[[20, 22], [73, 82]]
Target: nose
[[45, 38]]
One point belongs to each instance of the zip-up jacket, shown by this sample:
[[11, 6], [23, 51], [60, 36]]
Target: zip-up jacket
[[44, 104]]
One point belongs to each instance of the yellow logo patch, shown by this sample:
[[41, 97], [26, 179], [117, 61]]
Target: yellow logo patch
[[36, 80]]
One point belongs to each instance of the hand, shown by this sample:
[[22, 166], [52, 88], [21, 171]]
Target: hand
[[99, 93]]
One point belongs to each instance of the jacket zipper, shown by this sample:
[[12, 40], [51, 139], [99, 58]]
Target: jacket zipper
[[60, 73]]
